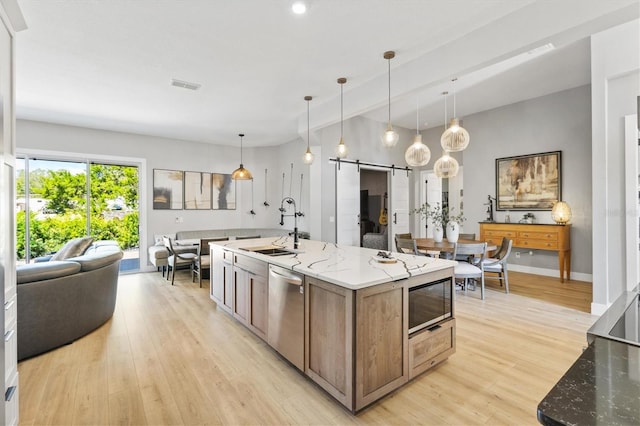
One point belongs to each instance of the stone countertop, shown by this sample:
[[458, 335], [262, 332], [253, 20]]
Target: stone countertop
[[350, 267], [601, 388]]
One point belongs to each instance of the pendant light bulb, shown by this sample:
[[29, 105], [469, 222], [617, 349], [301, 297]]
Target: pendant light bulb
[[446, 166], [308, 156], [241, 173], [341, 150], [389, 137], [455, 138], [418, 154]]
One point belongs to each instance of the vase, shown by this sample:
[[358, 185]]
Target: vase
[[437, 234], [453, 231]]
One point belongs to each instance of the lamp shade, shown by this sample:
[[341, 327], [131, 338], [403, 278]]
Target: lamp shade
[[455, 138], [418, 154], [308, 157], [390, 137], [341, 150], [561, 212], [446, 166], [241, 173]]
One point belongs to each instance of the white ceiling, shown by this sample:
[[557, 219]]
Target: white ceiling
[[108, 63]]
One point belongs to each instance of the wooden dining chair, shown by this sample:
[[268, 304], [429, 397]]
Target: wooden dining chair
[[407, 246], [176, 259], [498, 263], [202, 262], [465, 271]]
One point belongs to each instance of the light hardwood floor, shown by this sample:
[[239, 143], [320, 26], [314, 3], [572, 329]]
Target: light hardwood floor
[[168, 356]]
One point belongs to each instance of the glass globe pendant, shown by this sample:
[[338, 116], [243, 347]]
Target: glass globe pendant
[[341, 150], [389, 137], [308, 156]]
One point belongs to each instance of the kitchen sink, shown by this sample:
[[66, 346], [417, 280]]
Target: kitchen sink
[[270, 250]]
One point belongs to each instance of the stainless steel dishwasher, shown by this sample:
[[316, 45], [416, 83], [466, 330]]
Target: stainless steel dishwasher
[[286, 314]]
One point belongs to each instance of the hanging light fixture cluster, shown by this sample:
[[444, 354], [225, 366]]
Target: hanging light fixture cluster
[[308, 156], [241, 173]]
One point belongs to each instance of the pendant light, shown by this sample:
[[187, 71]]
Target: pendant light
[[418, 154], [308, 156], [341, 149], [389, 137], [446, 166], [241, 173], [455, 138]]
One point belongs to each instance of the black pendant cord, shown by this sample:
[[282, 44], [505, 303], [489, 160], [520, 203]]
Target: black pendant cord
[[300, 213], [290, 182], [281, 208], [389, 75], [252, 212], [266, 203]]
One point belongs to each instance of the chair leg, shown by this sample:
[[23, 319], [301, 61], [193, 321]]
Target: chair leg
[[168, 271], [505, 275], [482, 286], [173, 275]]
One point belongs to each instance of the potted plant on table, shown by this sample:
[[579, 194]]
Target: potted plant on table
[[442, 218]]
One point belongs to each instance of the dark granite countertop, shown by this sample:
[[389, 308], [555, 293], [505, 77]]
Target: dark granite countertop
[[601, 388]]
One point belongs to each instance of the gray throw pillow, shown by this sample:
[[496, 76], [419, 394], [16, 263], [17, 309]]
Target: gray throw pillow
[[73, 248]]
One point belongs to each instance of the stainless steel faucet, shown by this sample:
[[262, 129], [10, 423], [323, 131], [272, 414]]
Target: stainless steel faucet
[[295, 215]]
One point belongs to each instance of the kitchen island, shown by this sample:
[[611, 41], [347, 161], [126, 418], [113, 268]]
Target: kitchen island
[[368, 324]]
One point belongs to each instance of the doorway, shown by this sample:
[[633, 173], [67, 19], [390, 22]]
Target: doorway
[[374, 213], [446, 191]]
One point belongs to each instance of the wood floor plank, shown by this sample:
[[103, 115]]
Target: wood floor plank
[[169, 356]]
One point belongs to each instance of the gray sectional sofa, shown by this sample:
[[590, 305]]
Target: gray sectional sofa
[[60, 301], [158, 254]]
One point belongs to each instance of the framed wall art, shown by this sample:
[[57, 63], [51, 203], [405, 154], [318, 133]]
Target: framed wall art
[[167, 189], [224, 192], [197, 191], [529, 182]]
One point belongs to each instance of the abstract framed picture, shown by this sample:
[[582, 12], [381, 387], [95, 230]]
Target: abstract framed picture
[[197, 191], [529, 182], [224, 192], [167, 189]]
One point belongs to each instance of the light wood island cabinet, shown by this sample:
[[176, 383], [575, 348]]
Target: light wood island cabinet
[[357, 345]]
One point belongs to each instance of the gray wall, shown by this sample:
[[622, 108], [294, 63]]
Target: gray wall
[[557, 122]]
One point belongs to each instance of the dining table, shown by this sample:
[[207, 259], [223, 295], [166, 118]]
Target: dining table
[[446, 246]]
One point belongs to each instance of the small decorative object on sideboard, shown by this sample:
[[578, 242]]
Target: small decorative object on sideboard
[[527, 218], [489, 205], [561, 212]]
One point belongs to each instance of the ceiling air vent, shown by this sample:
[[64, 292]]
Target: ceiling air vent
[[184, 84]]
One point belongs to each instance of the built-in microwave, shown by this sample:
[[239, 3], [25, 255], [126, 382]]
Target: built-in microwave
[[430, 303]]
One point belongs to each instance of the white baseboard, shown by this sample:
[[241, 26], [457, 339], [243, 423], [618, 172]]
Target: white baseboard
[[549, 272], [598, 308]]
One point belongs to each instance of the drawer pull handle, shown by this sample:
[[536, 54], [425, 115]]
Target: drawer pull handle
[[9, 393], [8, 335], [434, 328], [8, 306]]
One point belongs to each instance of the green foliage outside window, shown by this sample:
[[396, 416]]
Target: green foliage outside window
[[64, 216]]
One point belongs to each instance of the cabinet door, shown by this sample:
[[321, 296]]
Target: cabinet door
[[228, 287], [217, 275], [258, 308], [329, 338], [240, 295], [381, 341]]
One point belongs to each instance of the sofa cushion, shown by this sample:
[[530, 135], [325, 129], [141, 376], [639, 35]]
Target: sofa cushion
[[45, 270], [89, 262], [73, 248]]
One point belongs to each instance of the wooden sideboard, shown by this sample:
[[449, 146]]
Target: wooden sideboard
[[533, 236]]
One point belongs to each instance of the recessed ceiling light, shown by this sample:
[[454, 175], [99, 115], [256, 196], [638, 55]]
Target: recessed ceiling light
[[299, 7]]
